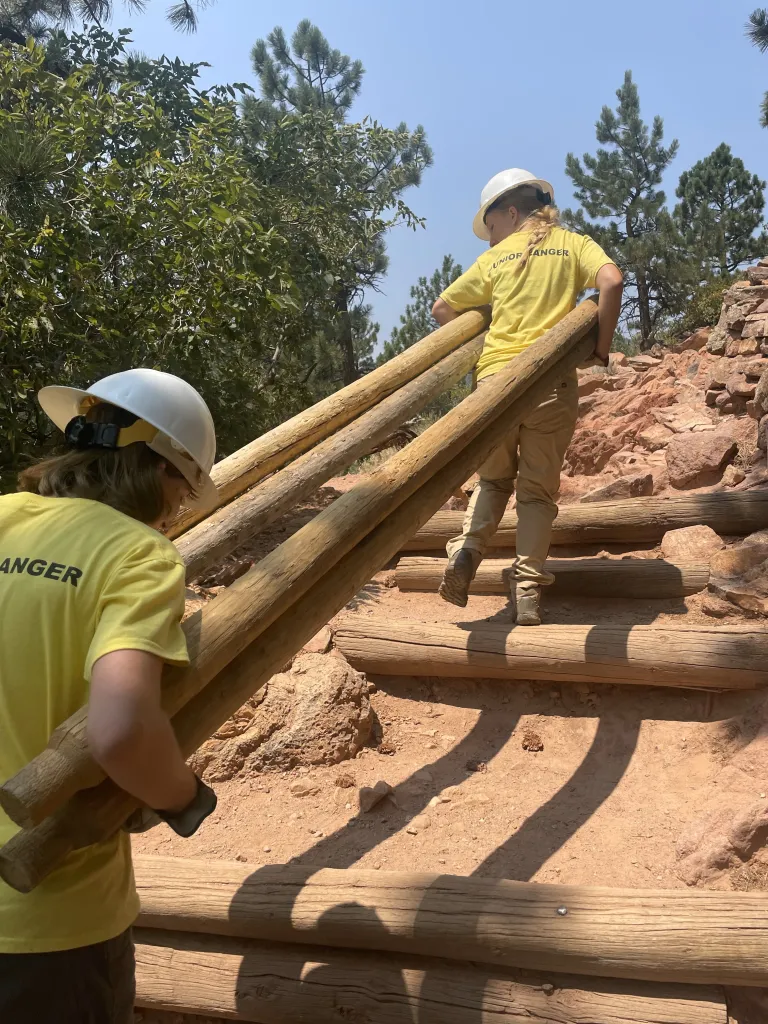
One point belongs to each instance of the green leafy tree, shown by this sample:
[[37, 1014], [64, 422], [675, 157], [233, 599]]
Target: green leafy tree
[[619, 190], [757, 30], [138, 246], [721, 206], [38, 19], [417, 320], [309, 76]]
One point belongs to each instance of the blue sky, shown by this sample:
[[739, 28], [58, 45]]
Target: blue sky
[[500, 85]]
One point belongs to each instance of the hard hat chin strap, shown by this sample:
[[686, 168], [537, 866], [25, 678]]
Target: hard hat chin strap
[[82, 434]]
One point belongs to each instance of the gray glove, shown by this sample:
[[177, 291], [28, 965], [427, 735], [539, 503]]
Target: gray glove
[[184, 823]]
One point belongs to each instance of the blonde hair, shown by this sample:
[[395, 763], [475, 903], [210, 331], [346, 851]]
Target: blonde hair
[[127, 479], [538, 217]]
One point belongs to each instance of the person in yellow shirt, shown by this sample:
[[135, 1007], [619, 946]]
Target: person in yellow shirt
[[531, 276], [91, 600]]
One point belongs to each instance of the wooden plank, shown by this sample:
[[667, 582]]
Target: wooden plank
[[682, 935], [585, 577], [253, 603], [634, 521], [277, 447], [247, 515], [723, 658], [274, 984]]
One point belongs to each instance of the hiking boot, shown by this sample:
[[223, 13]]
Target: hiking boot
[[527, 606], [457, 577]]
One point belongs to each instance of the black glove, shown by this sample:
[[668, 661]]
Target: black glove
[[184, 823]]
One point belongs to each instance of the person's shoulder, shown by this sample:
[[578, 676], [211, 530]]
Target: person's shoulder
[[130, 539]]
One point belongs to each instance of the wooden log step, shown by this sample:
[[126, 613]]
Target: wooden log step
[[285, 984], [723, 658], [634, 521], [681, 935], [586, 577]]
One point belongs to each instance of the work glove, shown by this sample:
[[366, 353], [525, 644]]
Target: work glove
[[184, 823]]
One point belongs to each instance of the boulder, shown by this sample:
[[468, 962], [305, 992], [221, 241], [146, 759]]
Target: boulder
[[638, 486], [691, 544], [643, 362], [755, 369], [683, 418], [762, 434], [720, 838], [698, 459], [749, 346], [655, 437], [717, 607], [761, 395], [757, 275], [589, 451], [711, 397], [735, 562], [695, 342], [755, 326], [717, 341], [316, 713], [739, 387], [618, 359]]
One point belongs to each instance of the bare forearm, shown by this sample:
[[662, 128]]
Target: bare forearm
[[611, 286], [130, 735], [148, 764]]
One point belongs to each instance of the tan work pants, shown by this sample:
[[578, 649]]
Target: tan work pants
[[529, 460]]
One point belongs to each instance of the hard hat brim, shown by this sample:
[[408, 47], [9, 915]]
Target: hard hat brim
[[61, 404], [478, 224]]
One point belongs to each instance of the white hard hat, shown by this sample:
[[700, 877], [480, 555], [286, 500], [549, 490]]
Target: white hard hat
[[500, 183], [183, 426]]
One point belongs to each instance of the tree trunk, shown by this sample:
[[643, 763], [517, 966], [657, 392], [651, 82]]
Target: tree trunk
[[681, 935], [721, 658], [586, 577], [644, 309], [283, 984], [630, 521], [345, 340]]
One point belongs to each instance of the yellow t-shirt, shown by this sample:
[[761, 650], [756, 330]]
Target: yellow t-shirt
[[525, 303], [77, 581]]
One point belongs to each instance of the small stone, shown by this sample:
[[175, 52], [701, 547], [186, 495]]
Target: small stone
[[369, 796], [733, 475], [344, 781], [267, 849], [419, 824], [532, 741], [717, 608], [304, 789], [547, 988], [320, 643], [242, 858]]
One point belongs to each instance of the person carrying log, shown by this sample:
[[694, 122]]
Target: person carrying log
[[531, 276], [91, 600]]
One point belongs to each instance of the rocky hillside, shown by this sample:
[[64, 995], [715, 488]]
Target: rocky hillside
[[692, 418]]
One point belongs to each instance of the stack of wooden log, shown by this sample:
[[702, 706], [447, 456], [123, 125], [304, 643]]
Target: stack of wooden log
[[283, 945], [61, 799]]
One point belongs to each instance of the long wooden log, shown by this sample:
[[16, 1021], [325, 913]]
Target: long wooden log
[[94, 814], [278, 446], [253, 603], [232, 525], [722, 658], [634, 521], [680, 935], [587, 577], [274, 984]]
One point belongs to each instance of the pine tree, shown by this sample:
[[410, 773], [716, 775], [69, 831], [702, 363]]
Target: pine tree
[[619, 187], [308, 76], [417, 320], [21, 19], [757, 30], [721, 208], [305, 75]]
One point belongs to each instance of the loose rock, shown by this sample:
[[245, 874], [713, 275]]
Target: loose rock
[[369, 796], [637, 486], [696, 460], [691, 543]]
